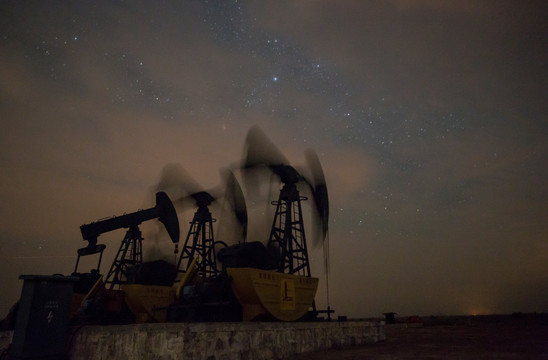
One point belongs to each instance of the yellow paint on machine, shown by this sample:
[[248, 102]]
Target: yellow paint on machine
[[149, 302], [287, 294], [263, 292]]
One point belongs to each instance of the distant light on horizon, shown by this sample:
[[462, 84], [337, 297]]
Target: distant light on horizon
[[478, 311]]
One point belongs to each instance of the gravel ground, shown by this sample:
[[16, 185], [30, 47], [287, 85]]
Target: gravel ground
[[523, 338]]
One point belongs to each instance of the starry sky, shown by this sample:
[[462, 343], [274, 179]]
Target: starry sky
[[429, 119]]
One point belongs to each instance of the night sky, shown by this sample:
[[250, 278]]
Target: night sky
[[429, 119]]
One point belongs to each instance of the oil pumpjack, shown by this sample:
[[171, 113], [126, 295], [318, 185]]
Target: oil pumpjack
[[203, 287], [200, 245], [125, 269], [255, 281], [287, 236], [283, 287]]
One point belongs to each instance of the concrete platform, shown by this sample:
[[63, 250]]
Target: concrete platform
[[215, 341]]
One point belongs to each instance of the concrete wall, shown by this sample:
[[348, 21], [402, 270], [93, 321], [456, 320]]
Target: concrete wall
[[216, 341]]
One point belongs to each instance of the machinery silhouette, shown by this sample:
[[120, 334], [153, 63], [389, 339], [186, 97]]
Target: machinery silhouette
[[200, 243], [101, 298], [213, 280], [130, 252], [287, 236]]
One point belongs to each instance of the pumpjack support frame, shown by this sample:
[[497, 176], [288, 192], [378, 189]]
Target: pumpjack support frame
[[129, 254], [287, 234], [200, 245]]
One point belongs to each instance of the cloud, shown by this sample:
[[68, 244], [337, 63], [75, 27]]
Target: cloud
[[427, 118]]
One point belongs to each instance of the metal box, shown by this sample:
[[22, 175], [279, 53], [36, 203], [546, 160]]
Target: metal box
[[41, 326]]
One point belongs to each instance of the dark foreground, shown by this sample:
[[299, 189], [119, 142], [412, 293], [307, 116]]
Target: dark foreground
[[467, 338]]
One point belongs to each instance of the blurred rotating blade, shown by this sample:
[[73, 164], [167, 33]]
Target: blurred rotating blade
[[236, 199], [179, 185], [321, 198], [259, 150]]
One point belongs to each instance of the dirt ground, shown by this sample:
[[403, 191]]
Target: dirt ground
[[487, 338]]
